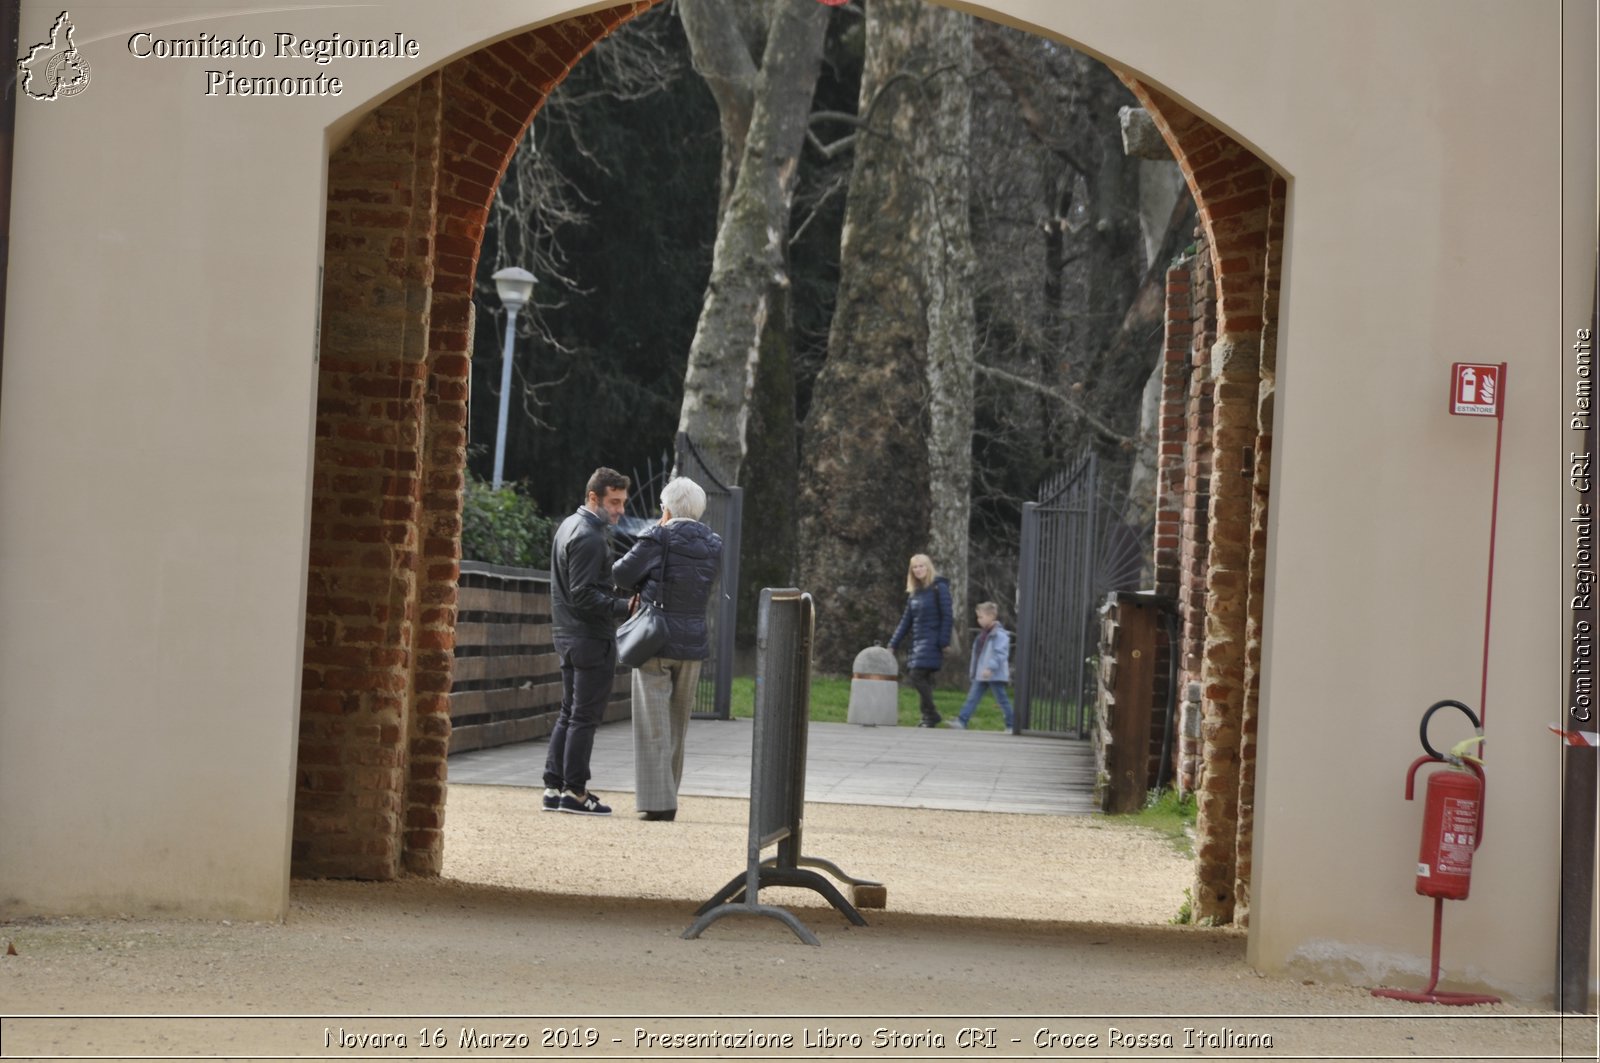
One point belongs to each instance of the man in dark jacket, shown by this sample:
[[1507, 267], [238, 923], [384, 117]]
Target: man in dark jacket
[[583, 619]]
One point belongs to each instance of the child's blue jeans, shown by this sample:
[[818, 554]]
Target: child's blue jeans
[[975, 695]]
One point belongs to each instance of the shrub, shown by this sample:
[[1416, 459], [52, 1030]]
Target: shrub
[[1185, 913], [504, 527]]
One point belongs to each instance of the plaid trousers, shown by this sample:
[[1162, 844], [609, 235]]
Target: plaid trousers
[[663, 700]]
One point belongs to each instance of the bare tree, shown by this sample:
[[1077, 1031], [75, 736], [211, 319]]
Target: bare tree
[[537, 201], [749, 258], [947, 270], [722, 55], [1065, 329], [887, 444]]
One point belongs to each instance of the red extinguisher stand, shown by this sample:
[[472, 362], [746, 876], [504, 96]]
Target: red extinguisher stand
[[1452, 830], [1452, 824]]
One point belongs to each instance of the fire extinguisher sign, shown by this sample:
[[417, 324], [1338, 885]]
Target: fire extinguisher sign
[[1477, 390]]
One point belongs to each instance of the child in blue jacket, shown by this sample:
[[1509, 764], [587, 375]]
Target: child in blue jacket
[[991, 668]]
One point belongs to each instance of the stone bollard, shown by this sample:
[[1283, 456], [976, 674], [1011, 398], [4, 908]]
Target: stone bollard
[[874, 689]]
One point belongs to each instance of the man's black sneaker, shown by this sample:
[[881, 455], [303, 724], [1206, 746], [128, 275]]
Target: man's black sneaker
[[664, 815], [587, 805], [552, 800]]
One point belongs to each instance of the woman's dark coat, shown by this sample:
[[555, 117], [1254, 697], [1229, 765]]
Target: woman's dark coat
[[928, 618], [693, 562]]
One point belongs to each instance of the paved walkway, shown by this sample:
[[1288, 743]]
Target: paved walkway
[[903, 767]]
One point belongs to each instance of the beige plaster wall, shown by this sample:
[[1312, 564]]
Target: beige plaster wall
[[155, 437], [155, 429], [1430, 148]]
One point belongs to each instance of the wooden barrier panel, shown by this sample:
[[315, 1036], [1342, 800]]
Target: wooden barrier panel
[[507, 682]]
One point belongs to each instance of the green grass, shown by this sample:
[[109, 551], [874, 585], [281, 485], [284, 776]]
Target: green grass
[[1170, 816], [830, 703]]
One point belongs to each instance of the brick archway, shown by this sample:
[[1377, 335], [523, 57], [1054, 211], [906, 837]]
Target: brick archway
[[1216, 468], [408, 196]]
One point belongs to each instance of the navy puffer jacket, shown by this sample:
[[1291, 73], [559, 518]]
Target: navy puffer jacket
[[693, 563], [928, 619]]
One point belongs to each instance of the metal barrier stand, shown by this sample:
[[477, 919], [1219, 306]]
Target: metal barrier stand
[[785, 628]]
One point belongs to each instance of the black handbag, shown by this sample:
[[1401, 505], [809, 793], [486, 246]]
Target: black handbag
[[643, 634]]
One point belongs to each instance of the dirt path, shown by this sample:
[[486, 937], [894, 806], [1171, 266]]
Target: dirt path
[[1022, 924]]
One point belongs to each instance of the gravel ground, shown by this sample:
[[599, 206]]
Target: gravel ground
[[544, 926]]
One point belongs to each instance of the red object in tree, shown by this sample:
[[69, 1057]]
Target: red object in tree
[[834, 3]]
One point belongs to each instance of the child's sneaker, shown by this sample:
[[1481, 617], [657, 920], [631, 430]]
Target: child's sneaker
[[587, 805], [959, 724], [552, 800]]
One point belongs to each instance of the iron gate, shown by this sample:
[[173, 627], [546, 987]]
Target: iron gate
[[724, 512], [1077, 545]]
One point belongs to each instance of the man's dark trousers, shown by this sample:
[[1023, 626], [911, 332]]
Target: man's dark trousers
[[588, 666]]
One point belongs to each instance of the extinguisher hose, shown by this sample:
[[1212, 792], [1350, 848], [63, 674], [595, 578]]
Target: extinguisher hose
[[1435, 707]]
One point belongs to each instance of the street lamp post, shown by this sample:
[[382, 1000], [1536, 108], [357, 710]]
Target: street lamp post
[[515, 285]]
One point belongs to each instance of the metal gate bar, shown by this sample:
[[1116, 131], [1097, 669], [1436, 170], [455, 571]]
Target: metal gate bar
[[1076, 547]]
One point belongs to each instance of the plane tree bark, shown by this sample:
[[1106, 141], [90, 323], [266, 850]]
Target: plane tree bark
[[721, 55], [886, 456], [750, 254]]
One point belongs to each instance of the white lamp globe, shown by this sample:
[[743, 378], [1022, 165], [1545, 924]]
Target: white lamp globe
[[515, 286]]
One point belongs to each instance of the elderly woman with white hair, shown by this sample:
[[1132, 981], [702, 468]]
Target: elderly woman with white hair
[[674, 564]]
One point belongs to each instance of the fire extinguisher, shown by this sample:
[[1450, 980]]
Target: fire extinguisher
[[1452, 816], [1452, 830]]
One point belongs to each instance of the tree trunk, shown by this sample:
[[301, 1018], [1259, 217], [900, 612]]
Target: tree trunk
[[772, 471], [886, 470], [722, 59], [947, 269], [1093, 251], [750, 248]]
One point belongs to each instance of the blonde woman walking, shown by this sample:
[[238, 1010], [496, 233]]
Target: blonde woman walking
[[927, 620]]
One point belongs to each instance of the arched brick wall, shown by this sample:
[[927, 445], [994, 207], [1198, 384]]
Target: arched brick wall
[[1183, 485], [1241, 202], [408, 195]]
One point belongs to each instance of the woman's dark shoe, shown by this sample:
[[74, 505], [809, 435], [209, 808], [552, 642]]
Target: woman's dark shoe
[[666, 814]]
